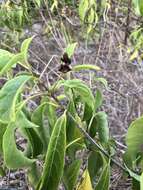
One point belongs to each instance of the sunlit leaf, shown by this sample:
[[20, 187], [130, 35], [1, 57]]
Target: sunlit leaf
[[85, 182], [54, 162], [5, 57], [133, 174], [8, 97], [70, 49], [85, 67], [134, 138], [13, 61], [83, 8], [24, 49], [38, 2]]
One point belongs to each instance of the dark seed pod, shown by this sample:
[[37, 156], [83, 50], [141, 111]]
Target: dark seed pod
[[65, 59], [65, 68]]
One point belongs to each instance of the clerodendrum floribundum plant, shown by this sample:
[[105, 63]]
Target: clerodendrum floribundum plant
[[56, 132]]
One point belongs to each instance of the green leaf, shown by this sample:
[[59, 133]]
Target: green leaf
[[5, 57], [24, 49], [141, 182], [37, 118], [133, 174], [83, 8], [38, 2], [70, 49], [71, 174], [91, 19], [104, 180], [98, 99], [13, 157], [13, 61], [138, 4], [34, 175], [8, 97], [103, 81], [87, 114], [86, 67], [9, 146], [50, 113], [2, 172], [134, 138], [2, 131], [95, 163], [35, 142], [54, 162], [71, 129], [28, 129], [141, 10], [135, 184], [100, 124], [81, 89]]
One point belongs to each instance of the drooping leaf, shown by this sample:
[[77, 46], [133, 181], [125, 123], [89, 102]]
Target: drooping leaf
[[103, 129], [34, 142], [134, 138], [37, 118], [100, 124], [85, 183], [85, 67], [13, 157], [8, 97], [71, 129], [54, 162], [71, 173], [104, 180], [82, 90]]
